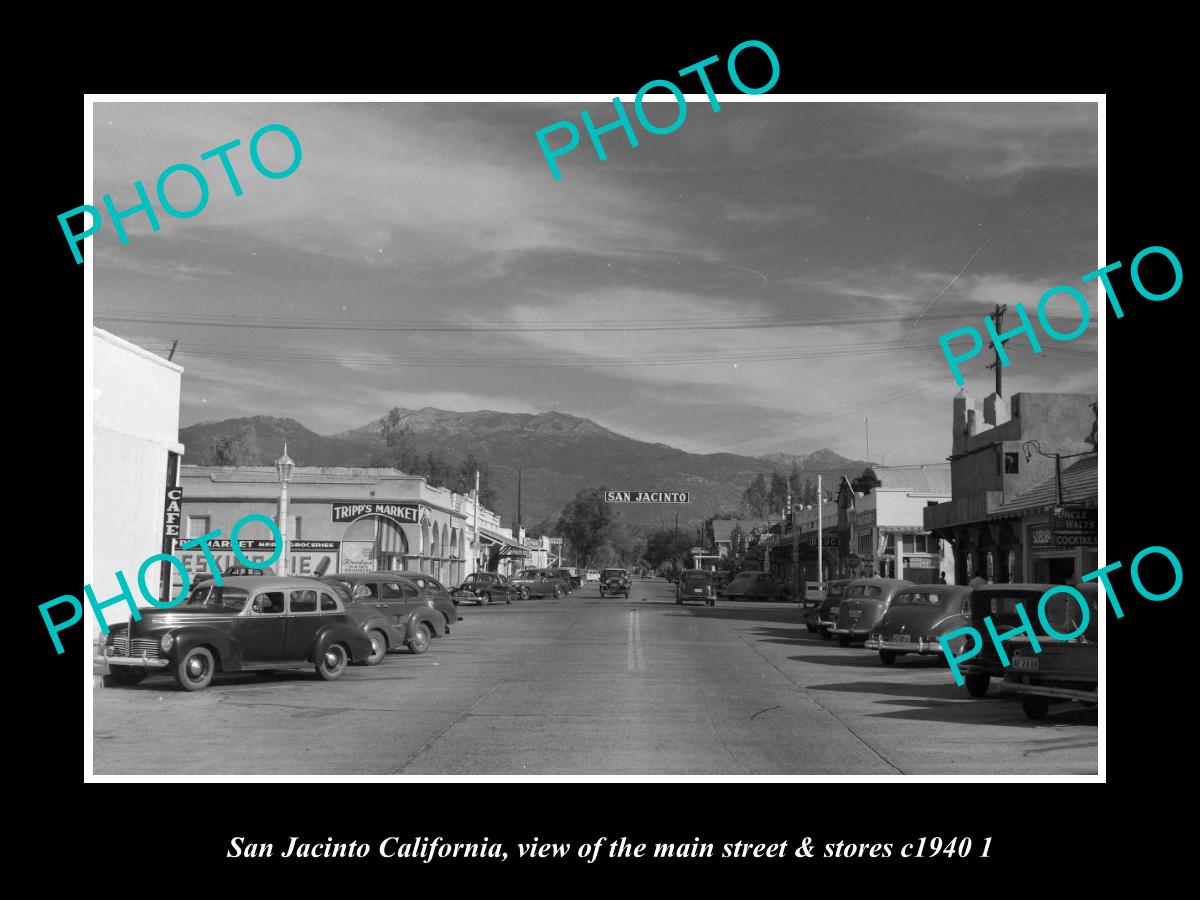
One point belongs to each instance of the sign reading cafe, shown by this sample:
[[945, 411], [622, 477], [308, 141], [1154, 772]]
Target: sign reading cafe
[[398, 512], [647, 497]]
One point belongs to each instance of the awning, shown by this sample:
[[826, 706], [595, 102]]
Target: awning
[[506, 545]]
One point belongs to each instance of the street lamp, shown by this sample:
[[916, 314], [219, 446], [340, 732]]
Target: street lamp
[[284, 466]]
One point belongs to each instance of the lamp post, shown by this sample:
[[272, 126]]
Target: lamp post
[[284, 466]]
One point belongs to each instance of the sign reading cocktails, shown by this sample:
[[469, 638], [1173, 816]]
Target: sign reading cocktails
[[647, 497]]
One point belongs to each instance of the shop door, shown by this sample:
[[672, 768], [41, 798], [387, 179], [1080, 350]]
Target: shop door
[[1054, 570]]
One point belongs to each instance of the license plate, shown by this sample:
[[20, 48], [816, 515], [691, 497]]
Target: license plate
[[1025, 662], [697, 591], [855, 613], [900, 638]]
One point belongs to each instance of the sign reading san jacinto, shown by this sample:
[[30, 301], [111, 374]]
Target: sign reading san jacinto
[[647, 497]]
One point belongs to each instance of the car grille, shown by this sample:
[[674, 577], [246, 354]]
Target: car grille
[[141, 647]]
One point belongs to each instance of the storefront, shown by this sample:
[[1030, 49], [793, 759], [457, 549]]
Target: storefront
[[339, 520]]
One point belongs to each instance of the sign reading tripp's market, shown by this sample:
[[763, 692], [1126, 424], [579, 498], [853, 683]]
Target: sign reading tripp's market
[[398, 512], [647, 497]]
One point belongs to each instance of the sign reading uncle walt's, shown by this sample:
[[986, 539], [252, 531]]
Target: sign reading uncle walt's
[[397, 512], [647, 497]]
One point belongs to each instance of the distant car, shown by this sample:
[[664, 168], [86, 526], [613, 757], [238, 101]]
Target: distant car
[[696, 584], [433, 591], [541, 583], [614, 581], [234, 571], [917, 617], [591, 575], [250, 623], [1000, 602], [824, 616], [570, 577], [720, 579], [862, 606], [488, 587], [1062, 670], [413, 621], [755, 586]]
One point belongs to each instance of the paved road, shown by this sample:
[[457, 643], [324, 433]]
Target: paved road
[[587, 686]]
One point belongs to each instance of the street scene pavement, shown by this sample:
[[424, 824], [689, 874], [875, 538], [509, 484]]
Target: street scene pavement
[[590, 686]]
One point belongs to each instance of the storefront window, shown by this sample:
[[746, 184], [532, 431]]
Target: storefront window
[[991, 566]]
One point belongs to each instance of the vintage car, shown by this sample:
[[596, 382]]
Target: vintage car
[[487, 587], [917, 617], [696, 584], [591, 575], [862, 606], [233, 570], [755, 586], [540, 583], [433, 591], [1063, 670], [250, 623], [411, 621], [824, 617], [569, 577], [1000, 602], [614, 581]]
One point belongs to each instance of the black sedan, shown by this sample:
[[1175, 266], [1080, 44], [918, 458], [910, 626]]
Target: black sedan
[[488, 587]]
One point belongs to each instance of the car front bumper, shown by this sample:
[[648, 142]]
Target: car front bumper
[[138, 662]]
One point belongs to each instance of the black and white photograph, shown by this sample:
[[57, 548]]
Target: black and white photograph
[[450, 438]]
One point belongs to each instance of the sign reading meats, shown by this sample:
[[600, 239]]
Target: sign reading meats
[[647, 497]]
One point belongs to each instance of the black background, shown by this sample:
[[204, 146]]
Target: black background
[[154, 833]]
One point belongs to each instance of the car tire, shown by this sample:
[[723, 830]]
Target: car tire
[[525, 593], [977, 685], [812, 629], [508, 599], [379, 647], [888, 657], [486, 599], [333, 662], [627, 595], [602, 592], [712, 602], [843, 640], [1035, 707], [127, 676], [421, 639], [195, 670], [679, 601], [559, 593]]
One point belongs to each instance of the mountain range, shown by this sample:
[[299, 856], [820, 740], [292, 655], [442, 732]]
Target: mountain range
[[558, 454]]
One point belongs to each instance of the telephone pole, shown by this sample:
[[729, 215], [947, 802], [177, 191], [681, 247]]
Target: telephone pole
[[997, 320]]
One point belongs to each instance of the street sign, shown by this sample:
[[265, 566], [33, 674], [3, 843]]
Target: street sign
[[647, 497]]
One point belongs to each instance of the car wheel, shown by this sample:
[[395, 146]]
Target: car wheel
[[843, 640], [601, 592], [333, 662], [508, 599], [1035, 708], [487, 598], [194, 671], [679, 601], [812, 629], [712, 602], [887, 657], [379, 647], [524, 593], [420, 639], [825, 634], [126, 676], [559, 593], [977, 685]]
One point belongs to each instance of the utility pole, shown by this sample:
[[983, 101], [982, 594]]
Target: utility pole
[[518, 497], [997, 320], [868, 438], [477, 543], [820, 538]]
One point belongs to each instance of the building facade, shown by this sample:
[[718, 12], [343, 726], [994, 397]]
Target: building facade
[[136, 451], [1004, 485], [345, 519]]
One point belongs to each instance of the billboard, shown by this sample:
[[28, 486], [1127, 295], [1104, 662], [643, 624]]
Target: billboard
[[647, 497]]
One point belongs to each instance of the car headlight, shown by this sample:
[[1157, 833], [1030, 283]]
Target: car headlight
[[167, 642], [429, 602]]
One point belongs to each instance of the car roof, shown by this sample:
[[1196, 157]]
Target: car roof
[[885, 583], [357, 577], [267, 582], [951, 590], [1085, 589]]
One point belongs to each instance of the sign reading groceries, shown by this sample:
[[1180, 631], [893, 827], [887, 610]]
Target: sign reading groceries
[[304, 557]]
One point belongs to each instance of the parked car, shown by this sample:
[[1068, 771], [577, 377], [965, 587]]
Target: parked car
[[233, 571], [862, 606], [614, 581], [434, 591], [720, 579], [485, 587], [250, 623], [824, 617], [696, 584], [755, 586], [591, 575], [541, 583], [1063, 670], [917, 617], [569, 576], [413, 621], [1000, 602]]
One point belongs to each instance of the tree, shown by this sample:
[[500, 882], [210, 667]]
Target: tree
[[586, 523], [755, 497], [667, 549], [778, 493], [401, 453]]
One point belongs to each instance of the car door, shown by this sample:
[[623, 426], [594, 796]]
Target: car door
[[304, 620], [262, 629], [399, 599]]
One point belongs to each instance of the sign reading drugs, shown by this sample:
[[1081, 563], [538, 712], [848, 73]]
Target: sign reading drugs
[[647, 497]]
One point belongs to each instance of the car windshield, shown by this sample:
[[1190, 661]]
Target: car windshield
[[226, 596], [920, 598], [528, 573], [836, 591], [865, 590], [696, 577], [612, 573]]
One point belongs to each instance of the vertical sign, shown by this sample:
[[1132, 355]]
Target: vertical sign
[[172, 514]]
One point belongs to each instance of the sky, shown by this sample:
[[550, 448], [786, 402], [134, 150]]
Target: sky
[[764, 279]]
